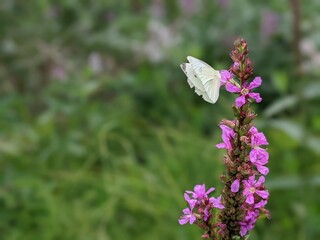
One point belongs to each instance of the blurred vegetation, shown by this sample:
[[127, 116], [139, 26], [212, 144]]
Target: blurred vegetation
[[100, 133]]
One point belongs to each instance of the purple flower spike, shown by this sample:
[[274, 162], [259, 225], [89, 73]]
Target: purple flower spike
[[233, 214], [188, 216], [250, 189]]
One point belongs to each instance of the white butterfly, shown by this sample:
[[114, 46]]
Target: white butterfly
[[204, 79]]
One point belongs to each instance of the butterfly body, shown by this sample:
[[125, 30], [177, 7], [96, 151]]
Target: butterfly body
[[204, 79]]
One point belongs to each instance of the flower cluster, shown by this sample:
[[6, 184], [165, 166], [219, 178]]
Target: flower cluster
[[200, 208], [244, 195]]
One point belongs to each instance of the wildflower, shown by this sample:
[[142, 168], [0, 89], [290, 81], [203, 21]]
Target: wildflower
[[243, 197], [216, 202], [251, 217], [248, 223], [245, 91], [200, 192], [188, 216], [227, 136], [257, 153], [191, 202], [251, 188]]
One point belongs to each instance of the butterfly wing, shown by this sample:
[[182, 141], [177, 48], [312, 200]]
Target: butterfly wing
[[209, 77], [194, 81]]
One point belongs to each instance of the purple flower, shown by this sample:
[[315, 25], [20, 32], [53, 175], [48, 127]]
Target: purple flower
[[225, 77], [188, 216], [250, 189], [235, 186], [258, 156], [251, 217], [216, 202], [249, 221], [227, 136], [191, 202], [206, 213], [245, 91], [200, 192], [257, 138]]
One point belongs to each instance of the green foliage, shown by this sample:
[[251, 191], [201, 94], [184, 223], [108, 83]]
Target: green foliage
[[100, 133]]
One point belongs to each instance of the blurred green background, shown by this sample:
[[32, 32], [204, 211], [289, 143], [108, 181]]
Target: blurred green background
[[101, 134]]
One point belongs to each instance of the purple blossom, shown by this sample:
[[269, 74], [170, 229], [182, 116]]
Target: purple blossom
[[225, 77], [251, 217], [216, 202], [188, 216], [206, 213], [258, 156], [251, 188], [200, 192], [244, 194], [200, 201], [235, 186], [191, 202], [249, 221], [245, 91], [227, 136]]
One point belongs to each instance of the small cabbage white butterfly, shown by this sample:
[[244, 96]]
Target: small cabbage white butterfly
[[204, 79]]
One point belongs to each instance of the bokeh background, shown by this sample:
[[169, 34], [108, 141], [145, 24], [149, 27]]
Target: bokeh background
[[101, 134]]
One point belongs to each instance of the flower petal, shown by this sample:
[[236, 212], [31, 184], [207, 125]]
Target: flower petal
[[262, 169], [260, 181], [232, 88], [225, 76], [255, 83], [250, 199], [260, 204], [240, 101], [243, 231], [255, 96], [192, 219], [253, 130], [183, 221], [259, 155], [263, 193], [235, 186], [216, 202], [259, 139], [210, 190], [221, 145]]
